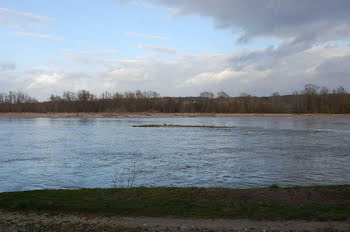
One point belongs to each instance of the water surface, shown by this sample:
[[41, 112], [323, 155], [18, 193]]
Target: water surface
[[51, 153]]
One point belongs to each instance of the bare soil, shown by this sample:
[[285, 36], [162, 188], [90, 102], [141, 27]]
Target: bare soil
[[12, 222]]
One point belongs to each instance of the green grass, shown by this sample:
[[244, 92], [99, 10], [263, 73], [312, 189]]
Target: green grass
[[274, 186], [307, 203]]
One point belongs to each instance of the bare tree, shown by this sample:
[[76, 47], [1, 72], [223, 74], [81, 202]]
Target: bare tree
[[126, 178], [311, 98], [207, 94], [222, 94], [277, 103], [84, 95], [341, 90], [69, 96]]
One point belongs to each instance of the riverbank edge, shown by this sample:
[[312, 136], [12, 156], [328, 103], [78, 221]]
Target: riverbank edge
[[165, 115], [313, 203], [34, 222]]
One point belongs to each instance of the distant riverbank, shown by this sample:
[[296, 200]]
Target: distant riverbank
[[164, 115]]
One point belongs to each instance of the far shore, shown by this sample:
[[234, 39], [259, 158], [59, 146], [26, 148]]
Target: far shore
[[165, 115]]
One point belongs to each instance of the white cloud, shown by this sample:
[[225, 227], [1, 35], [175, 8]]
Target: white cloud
[[109, 52], [144, 36], [157, 48], [44, 81], [312, 20], [212, 78], [259, 72], [26, 15], [19, 19], [7, 66], [37, 35]]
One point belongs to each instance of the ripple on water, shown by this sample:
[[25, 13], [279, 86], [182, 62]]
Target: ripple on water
[[73, 153]]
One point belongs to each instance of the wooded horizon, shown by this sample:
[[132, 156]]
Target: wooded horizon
[[311, 99]]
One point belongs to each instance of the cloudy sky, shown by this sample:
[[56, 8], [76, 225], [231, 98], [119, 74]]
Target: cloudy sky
[[175, 47]]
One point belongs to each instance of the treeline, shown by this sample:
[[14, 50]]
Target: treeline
[[16, 98], [312, 99]]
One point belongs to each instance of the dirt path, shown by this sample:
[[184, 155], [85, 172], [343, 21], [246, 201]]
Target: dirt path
[[15, 221]]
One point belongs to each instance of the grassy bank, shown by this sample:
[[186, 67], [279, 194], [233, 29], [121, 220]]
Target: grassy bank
[[274, 203]]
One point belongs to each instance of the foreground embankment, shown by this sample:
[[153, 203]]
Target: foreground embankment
[[193, 208], [163, 115]]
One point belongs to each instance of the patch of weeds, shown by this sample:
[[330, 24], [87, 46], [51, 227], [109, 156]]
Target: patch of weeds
[[274, 186], [29, 230]]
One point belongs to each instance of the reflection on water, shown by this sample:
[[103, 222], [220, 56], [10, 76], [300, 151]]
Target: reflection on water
[[45, 153]]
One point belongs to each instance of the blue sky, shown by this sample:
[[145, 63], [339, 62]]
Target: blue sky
[[127, 45], [111, 25]]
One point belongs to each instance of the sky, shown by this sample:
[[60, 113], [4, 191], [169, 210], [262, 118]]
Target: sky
[[174, 47]]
